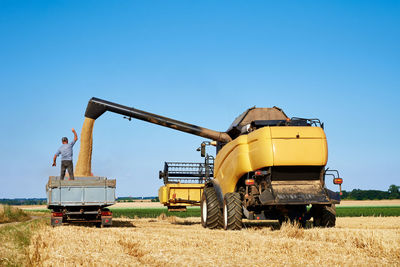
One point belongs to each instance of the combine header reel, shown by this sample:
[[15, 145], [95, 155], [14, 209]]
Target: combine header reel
[[184, 181]]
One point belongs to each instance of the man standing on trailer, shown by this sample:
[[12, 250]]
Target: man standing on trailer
[[66, 156]]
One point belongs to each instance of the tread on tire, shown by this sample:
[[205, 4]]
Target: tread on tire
[[325, 216], [211, 216], [233, 212]]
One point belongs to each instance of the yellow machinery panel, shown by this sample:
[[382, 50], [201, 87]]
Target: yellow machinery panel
[[180, 194], [288, 153], [269, 146]]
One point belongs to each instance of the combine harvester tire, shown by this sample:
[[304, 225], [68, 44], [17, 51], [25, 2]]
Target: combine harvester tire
[[325, 216], [211, 216], [233, 212]]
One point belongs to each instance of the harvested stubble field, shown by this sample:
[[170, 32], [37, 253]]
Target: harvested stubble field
[[195, 212], [172, 241], [143, 212]]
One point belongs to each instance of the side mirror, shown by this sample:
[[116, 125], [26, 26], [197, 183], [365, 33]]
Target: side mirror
[[203, 150]]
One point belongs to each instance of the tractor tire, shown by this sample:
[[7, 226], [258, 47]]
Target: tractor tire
[[325, 216], [233, 212], [211, 215]]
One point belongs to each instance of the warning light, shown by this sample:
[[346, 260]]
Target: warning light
[[338, 181], [260, 172], [249, 181]]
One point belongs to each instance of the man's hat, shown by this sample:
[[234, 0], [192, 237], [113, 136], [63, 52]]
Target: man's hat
[[64, 139]]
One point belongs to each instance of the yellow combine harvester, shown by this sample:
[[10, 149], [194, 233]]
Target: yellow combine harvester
[[268, 166]]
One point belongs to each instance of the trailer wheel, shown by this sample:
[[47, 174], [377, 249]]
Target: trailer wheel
[[211, 216], [233, 212], [324, 216]]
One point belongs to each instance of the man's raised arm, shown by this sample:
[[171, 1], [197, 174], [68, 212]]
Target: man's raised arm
[[75, 135]]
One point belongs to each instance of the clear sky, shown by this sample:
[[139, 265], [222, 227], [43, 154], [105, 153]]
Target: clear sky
[[203, 62]]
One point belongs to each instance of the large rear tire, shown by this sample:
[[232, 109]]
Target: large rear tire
[[211, 216], [233, 212], [324, 216]]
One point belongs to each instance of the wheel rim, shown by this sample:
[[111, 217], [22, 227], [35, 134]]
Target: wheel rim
[[225, 216], [204, 211]]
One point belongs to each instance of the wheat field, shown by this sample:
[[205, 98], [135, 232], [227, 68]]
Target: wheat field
[[171, 241], [148, 204]]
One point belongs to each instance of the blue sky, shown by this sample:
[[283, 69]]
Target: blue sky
[[203, 62]]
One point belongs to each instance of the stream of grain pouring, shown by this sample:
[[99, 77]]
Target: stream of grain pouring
[[84, 164]]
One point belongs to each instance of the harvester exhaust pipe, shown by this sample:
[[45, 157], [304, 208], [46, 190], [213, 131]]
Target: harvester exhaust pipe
[[96, 107]]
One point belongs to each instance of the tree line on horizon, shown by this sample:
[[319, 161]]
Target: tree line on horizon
[[23, 201], [357, 194], [43, 201]]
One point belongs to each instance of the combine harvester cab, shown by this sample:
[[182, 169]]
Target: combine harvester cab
[[84, 199], [268, 166]]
